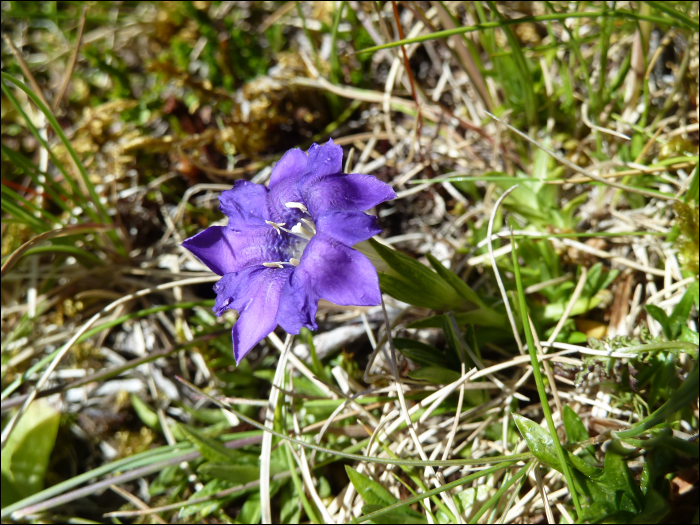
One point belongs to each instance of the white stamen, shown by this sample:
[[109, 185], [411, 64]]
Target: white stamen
[[274, 265], [296, 233], [310, 224], [277, 226], [297, 205], [300, 231], [295, 262]]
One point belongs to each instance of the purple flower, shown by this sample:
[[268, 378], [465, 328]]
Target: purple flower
[[289, 245]]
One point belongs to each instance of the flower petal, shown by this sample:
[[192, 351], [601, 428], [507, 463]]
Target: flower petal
[[284, 188], [326, 159], [332, 271], [298, 307], [226, 251], [344, 192], [245, 205], [213, 247], [291, 166], [256, 296], [348, 227], [225, 289]]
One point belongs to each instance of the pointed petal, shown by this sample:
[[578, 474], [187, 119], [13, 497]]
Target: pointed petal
[[213, 247], [348, 227], [225, 289], [326, 159], [226, 251], [256, 297], [344, 192], [245, 205], [297, 308], [284, 186], [292, 165], [332, 271]]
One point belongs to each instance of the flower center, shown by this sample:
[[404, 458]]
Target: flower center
[[299, 236]]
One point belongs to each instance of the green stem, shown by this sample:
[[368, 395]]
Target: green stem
[[532, 350]]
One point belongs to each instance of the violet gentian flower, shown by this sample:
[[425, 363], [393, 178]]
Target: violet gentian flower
[[290, 244]]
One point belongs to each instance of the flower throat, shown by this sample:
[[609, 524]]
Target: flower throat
[[301, 233]]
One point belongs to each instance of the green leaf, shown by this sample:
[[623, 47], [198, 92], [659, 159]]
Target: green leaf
[[214, 450], [655, 508], [455, 352], [393, 516], [588, 470], [26, 453], [167, 478], [538, 441], [414, 283], [541, 445], [685, 394], [289, 508], [679, 317], [420, 353], [207, 507], [377, 497], [620, 478], [145, 413], [251, 511], [689, 336], [597, 493], [453, 280], [658, 314], [369, 490], [435, 374], [694, 189], [238, 474], [575, 429], [475, 317], [472, 499]]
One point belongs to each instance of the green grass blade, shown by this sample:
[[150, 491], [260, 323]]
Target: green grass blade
[[667, 8], [539, 18], [525, 76], [77, 196], [69, 147], [681, 398], [447, 486], [11, 194], [532, 350], [76, 252], [50, 187], [502, 490], [24, 216]]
